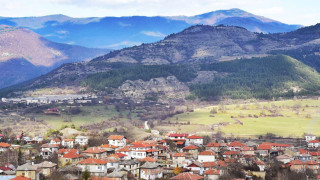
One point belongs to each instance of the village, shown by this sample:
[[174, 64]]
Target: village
[[169, 156]]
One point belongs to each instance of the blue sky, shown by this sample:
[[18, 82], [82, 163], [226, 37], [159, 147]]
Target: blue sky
[[305, 12]]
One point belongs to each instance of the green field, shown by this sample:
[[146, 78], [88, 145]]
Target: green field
[[284, 118], [88, 115]]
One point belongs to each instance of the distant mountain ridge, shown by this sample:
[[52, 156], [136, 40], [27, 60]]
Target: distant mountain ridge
[[119, 32], [25, 55]]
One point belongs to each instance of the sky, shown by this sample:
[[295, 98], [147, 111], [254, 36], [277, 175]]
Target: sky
[[304, 12]]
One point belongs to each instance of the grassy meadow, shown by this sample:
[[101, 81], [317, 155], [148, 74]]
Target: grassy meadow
[[288, 118]]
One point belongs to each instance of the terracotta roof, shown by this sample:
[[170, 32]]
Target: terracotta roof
[[236, 144], [207, 153], [209, 164], [179, 155], [315, 153], [124, 149], [277, 144], [187, 176], [296, 162], [108, 146], [115, 137], [194, 137], [148, 159], [95, 150], [142, 145], [264, 147], [180, 142], [56, 140], [314, 141], [259, 162], [222, 163], [20, 178], [212, 172], [50, 145], [213, 144], [303, 151], [71, 155], [231, 153], [92, 161], [5, 145], [68, 140], [247, 149], [120, 155], [178, 135], [190, 147], [61, 151], [152, 150]]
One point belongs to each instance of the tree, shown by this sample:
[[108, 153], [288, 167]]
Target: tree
[[177, 170], [86, 174]]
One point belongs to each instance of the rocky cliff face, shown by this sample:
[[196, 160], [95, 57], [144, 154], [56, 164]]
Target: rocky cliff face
[[164, 90]]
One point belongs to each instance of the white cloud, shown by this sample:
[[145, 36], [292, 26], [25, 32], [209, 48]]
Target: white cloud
[[124, 24], [153, 34]]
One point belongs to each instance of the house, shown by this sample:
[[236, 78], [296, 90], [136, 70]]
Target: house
[[191, 150], [314, 143], [207, 156], [213, 146], [178, 159], [248, 151], [69, 158], [212, 174], [20, 178], [49, 149], [187, 176], [55, 141], [263, 149], [29, 171], [151, 171], [96, 167], [67, 143], [96, 152], [194, 139], [284, 158], [81, 140], [304, 157], [131, 166], [235, 146], [4, 146], [196, 167], [310, 137], [117, 140], [231, 154], [261, 165], [47, 168], [125, 150], [175, 136]]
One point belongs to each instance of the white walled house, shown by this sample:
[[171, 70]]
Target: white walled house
[[81, 140], [179, 159], [314, 143], [207, 156], [125, 150], [67, 143], [176, 136], [96, 167], [151, 171], [194, 139], [310, 137], [48, 149], [117, 140], [55, 141]]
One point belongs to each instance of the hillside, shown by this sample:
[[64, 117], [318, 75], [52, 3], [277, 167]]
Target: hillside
[[198, 58], [119, 32], [37, 53]]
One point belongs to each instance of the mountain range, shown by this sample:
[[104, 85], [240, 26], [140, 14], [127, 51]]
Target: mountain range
[[119, 32], [25, 55], [205, 61]]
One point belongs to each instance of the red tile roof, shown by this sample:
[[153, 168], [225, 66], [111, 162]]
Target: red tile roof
[[296, 162], [222, 163], [236, 144], [247, 149], [179, 155], [187, 176], [95, 150], [68, 140], [91, 161], [209, 164], [108, 146], [213, 144], [124, 149], [314, 141], [277, 144], [20, 178], [212, 172], [4, 168], [303, 151], [194, 137], [5, 145], [115, 137], [61, 151], [259, 162], [207, 153], [180, 142], [71, 155], [120, 155], [190, 147], [315, 153], [57, 140], [148, 159], [100, 178], [231, 153], [264, 147]]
